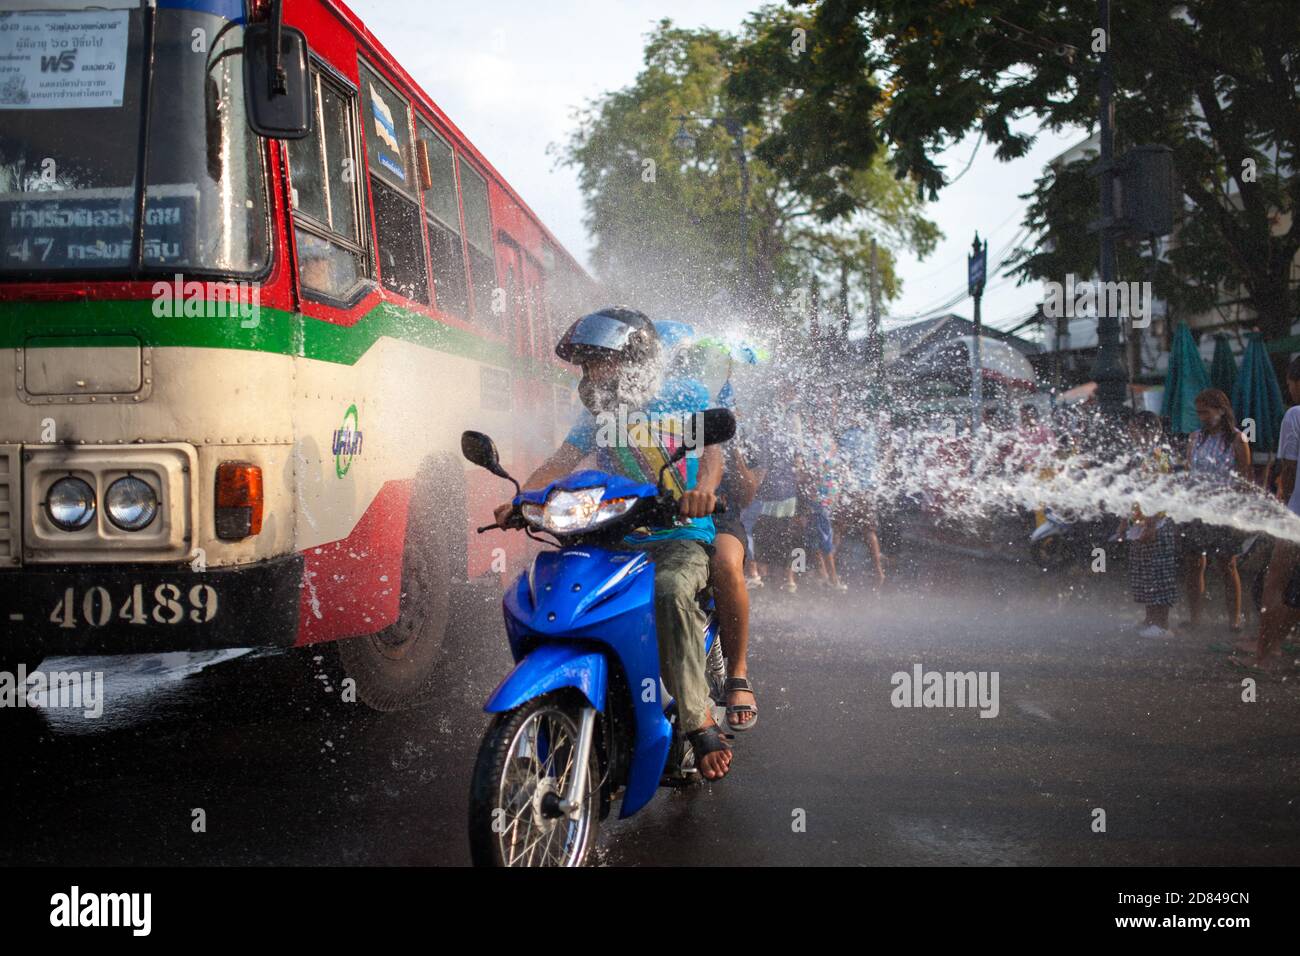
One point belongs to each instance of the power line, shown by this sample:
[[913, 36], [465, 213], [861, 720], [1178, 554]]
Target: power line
[[952, 297], [952, 262], [970, 162]]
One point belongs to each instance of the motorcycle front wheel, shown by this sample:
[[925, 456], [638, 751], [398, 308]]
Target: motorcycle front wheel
[[525, 763]]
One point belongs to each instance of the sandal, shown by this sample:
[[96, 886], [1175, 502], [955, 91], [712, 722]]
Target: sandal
[[705, 741], [740, 683]]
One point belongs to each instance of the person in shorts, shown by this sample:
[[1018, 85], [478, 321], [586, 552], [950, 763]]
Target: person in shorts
[[862, 460], [1277, 617], [1217, 453], [1153, 542]]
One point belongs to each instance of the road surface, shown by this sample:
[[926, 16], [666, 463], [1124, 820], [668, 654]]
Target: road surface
[[1090, 718]]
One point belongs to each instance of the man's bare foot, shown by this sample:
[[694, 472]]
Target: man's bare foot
[[716, 764]]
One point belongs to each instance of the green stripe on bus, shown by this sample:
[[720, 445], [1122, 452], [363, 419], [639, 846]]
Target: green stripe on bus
[[83, 324]]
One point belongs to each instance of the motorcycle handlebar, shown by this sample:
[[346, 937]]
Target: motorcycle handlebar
[[514, 521]]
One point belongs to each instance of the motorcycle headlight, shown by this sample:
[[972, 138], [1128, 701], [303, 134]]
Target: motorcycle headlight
[[570, 512], [70, 503], [131, 504]]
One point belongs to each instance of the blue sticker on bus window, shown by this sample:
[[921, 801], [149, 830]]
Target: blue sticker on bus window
[[384, 125], [392, 166]]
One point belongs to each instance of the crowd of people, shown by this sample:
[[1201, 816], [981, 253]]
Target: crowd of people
[[817, 478], [1168, 559], [817, 470]]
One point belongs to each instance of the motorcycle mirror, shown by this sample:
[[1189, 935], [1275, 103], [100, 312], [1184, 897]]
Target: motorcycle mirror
[[719, 425], [711, 427], [480, 450]]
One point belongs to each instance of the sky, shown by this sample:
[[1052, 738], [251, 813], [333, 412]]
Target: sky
[[510, 73]]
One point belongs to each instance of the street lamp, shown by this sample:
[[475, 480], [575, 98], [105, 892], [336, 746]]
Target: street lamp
[[685, 142]]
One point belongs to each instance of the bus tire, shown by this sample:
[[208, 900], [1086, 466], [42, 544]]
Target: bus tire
[[393, 667]]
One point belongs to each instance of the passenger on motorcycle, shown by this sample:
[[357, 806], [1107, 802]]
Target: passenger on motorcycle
[[633, 423]]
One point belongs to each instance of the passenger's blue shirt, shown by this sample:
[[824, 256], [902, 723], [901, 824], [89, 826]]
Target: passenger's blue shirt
[[637, 444]]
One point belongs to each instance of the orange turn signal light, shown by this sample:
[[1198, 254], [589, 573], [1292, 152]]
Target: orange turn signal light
[[239, 500]]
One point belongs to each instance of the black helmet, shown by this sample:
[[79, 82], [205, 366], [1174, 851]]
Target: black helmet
[[613, 332]]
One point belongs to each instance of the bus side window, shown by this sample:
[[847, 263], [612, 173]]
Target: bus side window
[[322, 168], [442, 217], [399, 235], [478, 232]]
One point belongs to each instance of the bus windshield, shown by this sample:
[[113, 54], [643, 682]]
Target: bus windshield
[[82, 128]]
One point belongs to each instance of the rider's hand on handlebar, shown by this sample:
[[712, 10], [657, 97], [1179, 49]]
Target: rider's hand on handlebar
[[697, 504], [503, 513]]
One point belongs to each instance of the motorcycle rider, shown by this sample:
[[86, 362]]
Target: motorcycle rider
[[621, 358]]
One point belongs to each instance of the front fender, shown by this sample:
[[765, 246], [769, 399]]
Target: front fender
[[552, 667]]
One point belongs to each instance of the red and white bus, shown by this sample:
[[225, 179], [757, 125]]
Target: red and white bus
[[236, 367]]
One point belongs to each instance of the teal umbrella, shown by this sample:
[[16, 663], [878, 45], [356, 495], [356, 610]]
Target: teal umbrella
[[1184, 380], [1223, 367], [1257, 395]]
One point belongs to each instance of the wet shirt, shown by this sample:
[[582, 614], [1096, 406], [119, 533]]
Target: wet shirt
[[1288, 448], [859, 456], [1157, 462], [1214, 455], [776, 441], [636, 445], [820, 465], [744, 447]]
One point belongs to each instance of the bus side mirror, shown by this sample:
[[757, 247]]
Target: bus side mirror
[[277, 90]]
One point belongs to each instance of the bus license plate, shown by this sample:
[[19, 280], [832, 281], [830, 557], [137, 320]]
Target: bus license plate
[[162, 604]]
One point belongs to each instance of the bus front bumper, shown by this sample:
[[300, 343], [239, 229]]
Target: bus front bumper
[[130, 609]]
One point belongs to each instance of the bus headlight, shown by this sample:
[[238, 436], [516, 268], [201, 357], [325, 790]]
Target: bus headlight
[[70, 503], [131, 504]]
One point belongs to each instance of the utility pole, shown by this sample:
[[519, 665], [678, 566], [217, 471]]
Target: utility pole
[[875, 347], [1062, 333], [1108, 370], [976, 266], [814, 320], [844, 299]]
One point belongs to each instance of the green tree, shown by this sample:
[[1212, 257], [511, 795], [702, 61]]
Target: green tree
[[667, 223], [1213, 80]]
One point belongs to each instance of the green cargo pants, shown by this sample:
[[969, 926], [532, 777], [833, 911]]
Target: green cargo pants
[[681, 573]]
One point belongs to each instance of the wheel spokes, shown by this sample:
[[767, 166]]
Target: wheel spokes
[[541, 761]]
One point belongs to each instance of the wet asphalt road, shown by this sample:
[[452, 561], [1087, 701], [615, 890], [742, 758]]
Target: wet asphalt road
[[1155, 733]]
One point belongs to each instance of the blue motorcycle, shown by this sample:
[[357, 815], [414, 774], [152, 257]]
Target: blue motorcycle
[[583, 716]]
